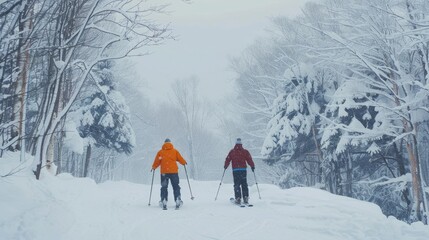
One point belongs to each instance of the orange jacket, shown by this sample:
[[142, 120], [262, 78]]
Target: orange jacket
[[167, 157]]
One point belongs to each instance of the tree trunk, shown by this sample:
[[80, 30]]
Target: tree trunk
[[415, 175], [411, 147], [22, 58], [191, 158], [401, 167], [319, 154], [422, 181], [59, 158], [338, 179], [25, 69], [349, 174], [87, 159]]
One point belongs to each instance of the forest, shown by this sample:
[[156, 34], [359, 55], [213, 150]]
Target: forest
[[336, 98]]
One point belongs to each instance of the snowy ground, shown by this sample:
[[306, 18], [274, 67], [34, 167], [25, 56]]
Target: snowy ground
[[70, 208]]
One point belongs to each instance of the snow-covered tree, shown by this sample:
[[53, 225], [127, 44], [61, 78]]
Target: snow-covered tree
[[258, 83], [374, 57], [381, 73], [105, 116], [16, 33], [293, 131], [95, 31]]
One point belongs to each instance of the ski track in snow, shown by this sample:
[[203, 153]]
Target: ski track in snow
[[70, 208]]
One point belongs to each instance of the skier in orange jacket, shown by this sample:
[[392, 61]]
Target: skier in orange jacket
[[168, 157]]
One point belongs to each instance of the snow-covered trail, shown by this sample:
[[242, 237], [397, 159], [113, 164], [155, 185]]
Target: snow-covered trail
[[70, 208]]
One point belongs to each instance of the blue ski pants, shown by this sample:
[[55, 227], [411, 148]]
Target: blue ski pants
[[174, 179], [240, 183]]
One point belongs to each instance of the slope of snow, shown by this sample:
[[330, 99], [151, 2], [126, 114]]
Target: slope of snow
[[70, 208]]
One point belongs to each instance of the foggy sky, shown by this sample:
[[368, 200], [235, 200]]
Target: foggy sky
[[208, 32]]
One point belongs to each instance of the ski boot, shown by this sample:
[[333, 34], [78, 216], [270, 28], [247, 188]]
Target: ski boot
[[179, 203], [163, 204]]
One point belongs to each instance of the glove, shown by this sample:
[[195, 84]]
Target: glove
[[253, 169], [152, 170]]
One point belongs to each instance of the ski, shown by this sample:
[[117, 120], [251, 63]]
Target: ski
[[232, 200], [163, 205]]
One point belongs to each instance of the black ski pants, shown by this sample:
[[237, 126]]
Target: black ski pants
[[174, 178], [240, 184]]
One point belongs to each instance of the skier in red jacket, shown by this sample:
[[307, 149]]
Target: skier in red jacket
[[239, 157]]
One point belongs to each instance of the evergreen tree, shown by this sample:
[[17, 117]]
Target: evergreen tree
[[105, 117]]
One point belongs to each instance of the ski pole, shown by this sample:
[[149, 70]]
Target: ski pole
[[187, 178], [257, 184], [151, 185], [220, 183]]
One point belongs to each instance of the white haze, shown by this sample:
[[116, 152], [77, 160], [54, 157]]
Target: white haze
[[208, 33]]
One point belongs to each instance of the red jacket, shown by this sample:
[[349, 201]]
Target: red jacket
[[239, 156]]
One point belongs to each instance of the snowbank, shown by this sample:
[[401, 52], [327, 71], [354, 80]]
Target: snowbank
[[70, 208]]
